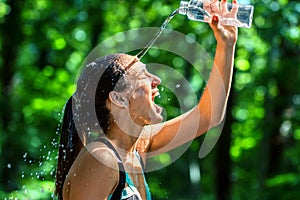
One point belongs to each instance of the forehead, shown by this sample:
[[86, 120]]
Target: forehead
[[137, 75], [137, 68]]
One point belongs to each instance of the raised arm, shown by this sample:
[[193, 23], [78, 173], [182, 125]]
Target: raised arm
[[211, 108]]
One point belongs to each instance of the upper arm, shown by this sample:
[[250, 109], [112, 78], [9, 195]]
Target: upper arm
[[94, 175], [175, 132]]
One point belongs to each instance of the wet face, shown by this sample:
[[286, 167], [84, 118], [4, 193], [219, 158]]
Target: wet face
[[142, 108]]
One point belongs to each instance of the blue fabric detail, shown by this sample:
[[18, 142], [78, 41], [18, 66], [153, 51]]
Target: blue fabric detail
[[126, 193], [148, 194]]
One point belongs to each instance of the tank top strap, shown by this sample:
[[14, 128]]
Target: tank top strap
[[117, 194], [148, 194], [123, 176]]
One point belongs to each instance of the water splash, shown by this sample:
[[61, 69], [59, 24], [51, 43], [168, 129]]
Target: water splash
[[158, 33]]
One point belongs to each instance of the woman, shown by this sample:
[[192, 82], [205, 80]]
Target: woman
[[104, 158]]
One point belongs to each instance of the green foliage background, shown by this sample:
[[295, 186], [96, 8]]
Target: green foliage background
[[43, 43]]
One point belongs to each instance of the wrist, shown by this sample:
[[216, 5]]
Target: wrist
[[227, 40], [226, 45]]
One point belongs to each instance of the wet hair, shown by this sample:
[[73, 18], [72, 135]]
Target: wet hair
[[82, 122]]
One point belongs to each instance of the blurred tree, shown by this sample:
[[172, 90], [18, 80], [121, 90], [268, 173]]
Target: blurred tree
[[11, 37]]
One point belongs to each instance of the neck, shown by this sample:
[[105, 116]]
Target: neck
[[123, 132], [124, 138]]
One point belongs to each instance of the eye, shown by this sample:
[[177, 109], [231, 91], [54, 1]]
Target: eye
[[142, 75]]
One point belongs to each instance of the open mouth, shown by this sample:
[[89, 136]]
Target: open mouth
[[155, 93]]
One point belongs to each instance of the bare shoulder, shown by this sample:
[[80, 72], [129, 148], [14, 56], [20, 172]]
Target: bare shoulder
[[101, 154], [95, 167]]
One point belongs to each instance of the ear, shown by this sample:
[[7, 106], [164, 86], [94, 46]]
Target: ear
[[118, 99]]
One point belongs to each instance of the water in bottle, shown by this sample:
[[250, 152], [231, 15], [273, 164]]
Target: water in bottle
[[202, 10]]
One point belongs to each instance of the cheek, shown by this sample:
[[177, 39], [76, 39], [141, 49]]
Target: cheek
[[140, 94], [138, 100]]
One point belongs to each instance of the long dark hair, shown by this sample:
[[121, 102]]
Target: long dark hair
[[82, 122]]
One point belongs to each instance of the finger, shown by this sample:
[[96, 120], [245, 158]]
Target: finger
[[214, 23], [215, 6], [235, 7], [223, 6], [206, 6]]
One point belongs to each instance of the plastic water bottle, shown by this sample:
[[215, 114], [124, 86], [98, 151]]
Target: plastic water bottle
[[238, 15]]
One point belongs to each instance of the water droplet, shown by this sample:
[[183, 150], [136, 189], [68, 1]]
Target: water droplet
[[25, 154], [178, 85], [8, 165]]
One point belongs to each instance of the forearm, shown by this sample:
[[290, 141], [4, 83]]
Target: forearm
[[212, 105], [223, 63]]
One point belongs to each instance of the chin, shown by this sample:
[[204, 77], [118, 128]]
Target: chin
[[157, 120], [156, 116]]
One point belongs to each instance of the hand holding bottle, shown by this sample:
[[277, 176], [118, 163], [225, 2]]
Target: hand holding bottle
[[224, 34]]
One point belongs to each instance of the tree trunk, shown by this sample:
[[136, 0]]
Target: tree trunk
[[11, 37], [223, 161]]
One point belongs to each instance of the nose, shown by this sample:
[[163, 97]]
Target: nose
[[155, 81]]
